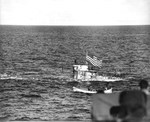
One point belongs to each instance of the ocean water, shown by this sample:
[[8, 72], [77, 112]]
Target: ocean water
[[43, 56]]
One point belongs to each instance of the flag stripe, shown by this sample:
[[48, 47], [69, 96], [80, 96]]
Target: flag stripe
[[94, 61]]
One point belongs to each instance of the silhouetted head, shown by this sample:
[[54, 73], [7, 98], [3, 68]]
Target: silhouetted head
[[143, 84], [100, 91], [108, 85]]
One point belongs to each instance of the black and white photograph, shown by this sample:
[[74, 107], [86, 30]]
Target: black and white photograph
[[75, 60]]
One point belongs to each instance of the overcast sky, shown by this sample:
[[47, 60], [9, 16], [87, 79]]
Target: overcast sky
[[74, 12]]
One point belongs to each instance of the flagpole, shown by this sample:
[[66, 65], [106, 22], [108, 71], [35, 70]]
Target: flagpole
[[85, 57]]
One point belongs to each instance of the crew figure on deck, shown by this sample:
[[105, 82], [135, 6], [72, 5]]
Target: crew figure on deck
[[108, 88]]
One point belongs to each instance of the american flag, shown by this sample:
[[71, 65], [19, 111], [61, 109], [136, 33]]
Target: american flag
[[94, 61]]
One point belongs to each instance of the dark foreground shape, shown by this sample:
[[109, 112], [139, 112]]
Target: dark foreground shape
[[134, 103], [128, 106]]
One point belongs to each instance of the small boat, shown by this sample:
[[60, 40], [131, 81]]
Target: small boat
[[75, 89]]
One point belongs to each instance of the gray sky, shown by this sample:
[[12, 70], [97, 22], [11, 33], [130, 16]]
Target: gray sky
[[74, 12]]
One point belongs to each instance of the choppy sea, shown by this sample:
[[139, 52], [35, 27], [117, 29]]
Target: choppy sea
[[42, 58]]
